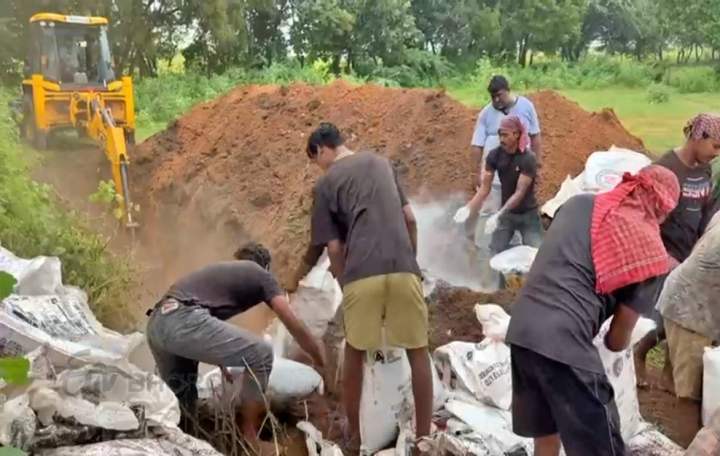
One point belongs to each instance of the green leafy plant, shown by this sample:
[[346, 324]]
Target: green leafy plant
[[106, 194], [12, 370]]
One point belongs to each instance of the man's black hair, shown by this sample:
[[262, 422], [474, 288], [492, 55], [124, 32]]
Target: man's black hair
[[325, 135], [253, 251], [498, 83]]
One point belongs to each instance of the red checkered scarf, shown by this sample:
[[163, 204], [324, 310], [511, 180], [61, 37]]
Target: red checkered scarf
[[625, 229], [513, 123], [703, 125]]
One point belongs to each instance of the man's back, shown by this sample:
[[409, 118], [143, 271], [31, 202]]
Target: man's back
[[362, 196], [558, 312], [227, 288]]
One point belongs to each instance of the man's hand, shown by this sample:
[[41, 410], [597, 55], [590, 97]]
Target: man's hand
[[299, 331], [475, 180]]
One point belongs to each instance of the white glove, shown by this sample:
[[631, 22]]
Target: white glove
[[462, 214], [491, 224]]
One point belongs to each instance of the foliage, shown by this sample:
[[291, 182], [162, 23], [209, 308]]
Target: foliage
[[658, 93], [32, 224], [399, 40]]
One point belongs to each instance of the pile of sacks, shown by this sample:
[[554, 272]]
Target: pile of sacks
[[472, 385], [84, 397], [479, 383]]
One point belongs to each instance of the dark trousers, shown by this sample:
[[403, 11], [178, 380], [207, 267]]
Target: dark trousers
[[550, 397], [529, 226]]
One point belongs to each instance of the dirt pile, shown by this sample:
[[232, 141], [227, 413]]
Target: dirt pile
[[235, 167]]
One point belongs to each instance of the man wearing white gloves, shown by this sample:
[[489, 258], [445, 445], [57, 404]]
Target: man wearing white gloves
[[516, 165]]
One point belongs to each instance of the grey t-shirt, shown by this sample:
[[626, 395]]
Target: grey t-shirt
[[226, 289], [359, 202], [558, 312]]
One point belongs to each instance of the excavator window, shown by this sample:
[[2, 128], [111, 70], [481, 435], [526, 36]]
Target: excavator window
[[75, 54]]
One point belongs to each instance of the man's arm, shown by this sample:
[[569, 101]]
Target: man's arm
[[534, 133], [476, 203], [411, 225], [410, 221], [324, 232], [478, 144], [298, 330], [633, 300], [710, 207], [336, 253], [621, 328], [309, 260], [536, 146], [523, 185]]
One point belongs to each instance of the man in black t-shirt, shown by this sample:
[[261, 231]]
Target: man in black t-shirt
[[691, 165], [588, 269], [188, 327], [517, 168]]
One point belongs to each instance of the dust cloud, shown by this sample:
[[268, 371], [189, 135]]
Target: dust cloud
[[444, 251]]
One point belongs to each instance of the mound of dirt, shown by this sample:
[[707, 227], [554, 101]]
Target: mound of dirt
[[235, 167]]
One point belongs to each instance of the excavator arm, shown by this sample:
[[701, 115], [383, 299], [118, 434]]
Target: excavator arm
[[110, 138]]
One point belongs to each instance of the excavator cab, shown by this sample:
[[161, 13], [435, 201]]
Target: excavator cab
[[71, 53], [70, 82]]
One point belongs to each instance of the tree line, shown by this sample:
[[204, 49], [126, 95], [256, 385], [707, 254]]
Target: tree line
[[377, 37]]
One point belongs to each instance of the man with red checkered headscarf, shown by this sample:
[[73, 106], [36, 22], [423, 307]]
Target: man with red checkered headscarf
[[691, 165], [516, 165], [601, 258]]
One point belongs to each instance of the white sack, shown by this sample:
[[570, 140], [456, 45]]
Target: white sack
[[493, 425], [620, 370], [603, 170], [126, 384], [481, 369], [48, 313], [516, 260], [37, 276], [316, 445], [711, 383], [289, 380], [175, 443], [315, 302], [650, 442], [387, 402]]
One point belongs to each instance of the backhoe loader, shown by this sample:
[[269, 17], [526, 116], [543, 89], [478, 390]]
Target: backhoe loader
[[70, 83]]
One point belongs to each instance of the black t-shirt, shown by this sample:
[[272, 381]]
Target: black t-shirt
[[359, 202], [558, 313], [227, 289], [509, 167], [684, 225]]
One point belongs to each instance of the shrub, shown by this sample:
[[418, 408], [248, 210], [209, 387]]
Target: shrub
[[32, 224], [658, 93]]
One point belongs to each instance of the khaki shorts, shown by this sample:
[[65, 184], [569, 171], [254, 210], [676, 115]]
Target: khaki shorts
[[686, 349], [394, 301]]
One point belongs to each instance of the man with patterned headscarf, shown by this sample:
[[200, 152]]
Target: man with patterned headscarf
[[516, 165], [601, 257], [691, 165]]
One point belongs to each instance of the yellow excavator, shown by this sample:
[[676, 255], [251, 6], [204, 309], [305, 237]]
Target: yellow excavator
[[70, 83]]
